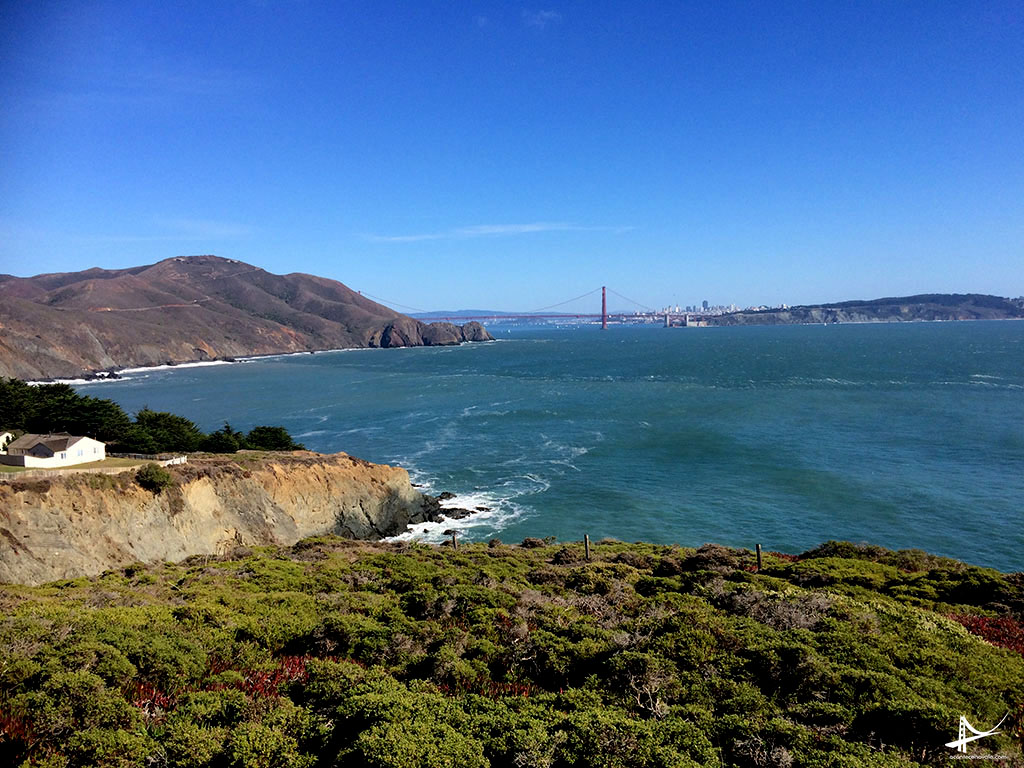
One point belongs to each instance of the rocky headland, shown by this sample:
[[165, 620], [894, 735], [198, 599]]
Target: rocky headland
[[71, 525]]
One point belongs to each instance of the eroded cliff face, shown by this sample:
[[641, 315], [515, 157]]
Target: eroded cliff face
[[84, 524]]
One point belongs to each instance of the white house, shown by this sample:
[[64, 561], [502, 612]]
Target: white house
[[61, 450]]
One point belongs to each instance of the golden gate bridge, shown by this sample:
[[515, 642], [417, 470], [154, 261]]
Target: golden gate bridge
[[544, 313]]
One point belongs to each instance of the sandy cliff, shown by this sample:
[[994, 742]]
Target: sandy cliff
[[84, 524]]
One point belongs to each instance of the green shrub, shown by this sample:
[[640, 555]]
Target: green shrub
[[253, 745], [212, 708], [154, 478], [105, 748], [72, 702], [101, 659], [190, 745], [415, 743]]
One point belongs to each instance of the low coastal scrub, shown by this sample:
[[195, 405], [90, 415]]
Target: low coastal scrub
[[154, 478], [340, 653], [59, 408]]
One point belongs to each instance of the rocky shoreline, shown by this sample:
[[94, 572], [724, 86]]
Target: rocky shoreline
[[117, 372]]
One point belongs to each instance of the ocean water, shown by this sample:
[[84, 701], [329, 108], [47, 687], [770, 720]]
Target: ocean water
[[903, 435]]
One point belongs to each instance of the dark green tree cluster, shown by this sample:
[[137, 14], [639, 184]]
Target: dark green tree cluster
[[228, 440], [339, 653], [59, 408]]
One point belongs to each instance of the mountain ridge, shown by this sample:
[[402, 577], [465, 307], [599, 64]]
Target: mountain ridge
[[190, 308]]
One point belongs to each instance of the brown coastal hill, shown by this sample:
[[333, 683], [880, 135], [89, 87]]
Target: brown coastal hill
[[190, 308]]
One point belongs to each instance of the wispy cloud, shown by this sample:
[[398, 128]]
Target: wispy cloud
[[216, 230], [150, 85], [190, 81], [176, 229], [493, 230], [541, 19]]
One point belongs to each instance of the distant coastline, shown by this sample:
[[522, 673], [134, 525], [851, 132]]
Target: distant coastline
[[930, 307], [100, 376], [203, 310]]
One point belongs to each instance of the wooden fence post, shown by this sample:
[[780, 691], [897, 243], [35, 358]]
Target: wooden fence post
[[758, 557], [586, 545]]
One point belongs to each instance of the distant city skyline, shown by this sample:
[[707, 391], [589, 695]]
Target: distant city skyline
[[509, 157]]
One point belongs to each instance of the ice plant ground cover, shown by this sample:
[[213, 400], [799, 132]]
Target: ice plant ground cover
[[334, 652]]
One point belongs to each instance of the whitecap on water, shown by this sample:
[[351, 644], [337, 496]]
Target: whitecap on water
[[79, 382], [494, 508], [312, 433], [524, 485], [204, 364]]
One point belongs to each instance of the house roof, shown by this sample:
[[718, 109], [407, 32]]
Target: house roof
[[58, 442]]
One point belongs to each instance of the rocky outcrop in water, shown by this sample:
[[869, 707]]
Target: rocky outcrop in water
[[475, 332], [406, 332], [83, 524]]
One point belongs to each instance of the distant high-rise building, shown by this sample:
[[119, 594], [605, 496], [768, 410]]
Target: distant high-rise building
[[704, 305]]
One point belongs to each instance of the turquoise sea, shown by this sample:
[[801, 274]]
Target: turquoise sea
[[903, 435]]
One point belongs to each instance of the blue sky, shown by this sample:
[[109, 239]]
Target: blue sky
[[507, 156]]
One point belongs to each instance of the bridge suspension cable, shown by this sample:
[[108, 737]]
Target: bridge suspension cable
[[563, 303], [539, 310], [390, 303], [631, 301]]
